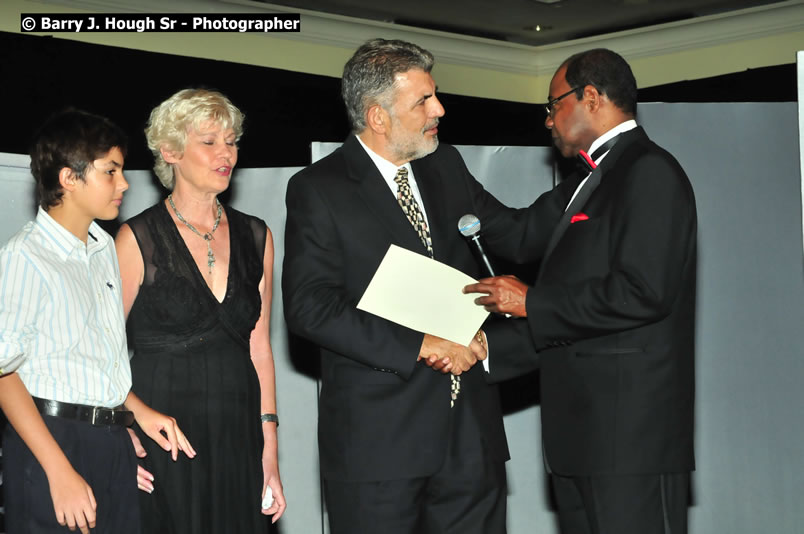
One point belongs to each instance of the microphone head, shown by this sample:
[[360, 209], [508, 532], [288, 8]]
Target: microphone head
[[469, 225]]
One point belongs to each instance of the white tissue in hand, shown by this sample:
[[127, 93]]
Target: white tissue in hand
[[268, 500]]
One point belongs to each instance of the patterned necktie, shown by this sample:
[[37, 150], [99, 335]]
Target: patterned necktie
[[414, 214]]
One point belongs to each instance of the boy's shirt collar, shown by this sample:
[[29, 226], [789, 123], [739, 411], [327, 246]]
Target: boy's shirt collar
[[64, 243]]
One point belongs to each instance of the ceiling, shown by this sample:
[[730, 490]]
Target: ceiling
[[530, 22]]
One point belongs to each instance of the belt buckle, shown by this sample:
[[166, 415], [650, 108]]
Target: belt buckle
[[101, 416]]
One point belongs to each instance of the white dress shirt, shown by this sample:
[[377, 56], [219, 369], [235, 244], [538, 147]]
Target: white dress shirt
[[61, 314]]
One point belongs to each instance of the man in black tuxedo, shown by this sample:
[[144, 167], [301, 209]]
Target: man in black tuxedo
[[610, 319], [395, 456]]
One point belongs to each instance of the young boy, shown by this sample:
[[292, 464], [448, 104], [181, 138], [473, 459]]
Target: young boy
[[65, 377]]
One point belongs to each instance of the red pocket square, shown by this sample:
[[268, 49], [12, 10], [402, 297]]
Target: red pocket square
[[579, 217]]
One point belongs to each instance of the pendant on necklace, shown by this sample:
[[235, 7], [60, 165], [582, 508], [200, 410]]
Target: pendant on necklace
[[210, 254]]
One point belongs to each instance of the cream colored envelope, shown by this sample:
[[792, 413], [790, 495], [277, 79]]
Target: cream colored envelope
[[425, 295]]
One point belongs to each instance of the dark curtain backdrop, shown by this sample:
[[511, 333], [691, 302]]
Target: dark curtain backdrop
[[285, 111]]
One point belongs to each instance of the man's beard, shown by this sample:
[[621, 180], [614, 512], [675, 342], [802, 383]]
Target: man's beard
[[410, 147]]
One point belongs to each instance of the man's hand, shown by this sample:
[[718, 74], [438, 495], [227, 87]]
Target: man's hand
[[446, 356], [479, 345], [504, 294], [73, 500], [441, 364]]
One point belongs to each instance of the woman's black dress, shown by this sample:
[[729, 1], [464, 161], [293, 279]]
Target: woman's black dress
[[192, 361]]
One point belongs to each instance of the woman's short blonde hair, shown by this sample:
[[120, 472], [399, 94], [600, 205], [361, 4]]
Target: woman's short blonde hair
[[171, 120]]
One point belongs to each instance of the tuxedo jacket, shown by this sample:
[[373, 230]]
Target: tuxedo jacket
[[382, 414], [611, 319]]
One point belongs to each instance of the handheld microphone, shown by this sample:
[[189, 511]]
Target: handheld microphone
[[469, 227]]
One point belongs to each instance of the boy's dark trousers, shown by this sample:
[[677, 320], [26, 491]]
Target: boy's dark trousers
[[103, 455]]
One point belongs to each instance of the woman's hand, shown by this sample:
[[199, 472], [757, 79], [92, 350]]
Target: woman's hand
[[164, 430], [270, 473], [161, 428], [145, 480]]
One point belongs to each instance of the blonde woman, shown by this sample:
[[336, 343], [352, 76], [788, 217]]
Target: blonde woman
[[197, 294]]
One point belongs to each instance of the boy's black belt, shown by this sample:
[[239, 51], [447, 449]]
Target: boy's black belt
[[79, 412]]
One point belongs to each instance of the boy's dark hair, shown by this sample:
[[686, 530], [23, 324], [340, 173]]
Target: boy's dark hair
[[608, 72], [74, 139]]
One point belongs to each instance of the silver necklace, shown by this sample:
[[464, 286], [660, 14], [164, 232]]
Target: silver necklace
[[206, 237]]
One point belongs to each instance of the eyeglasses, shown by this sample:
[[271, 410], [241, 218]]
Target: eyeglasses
[[549, 106]]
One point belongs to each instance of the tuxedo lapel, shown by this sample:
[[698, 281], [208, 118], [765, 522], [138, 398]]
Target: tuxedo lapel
[[375, 193]]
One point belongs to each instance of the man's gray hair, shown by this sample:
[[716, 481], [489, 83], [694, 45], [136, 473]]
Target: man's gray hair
[[370, 74]]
